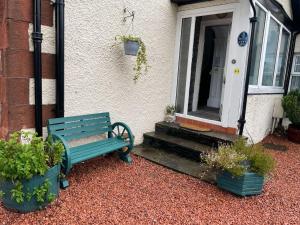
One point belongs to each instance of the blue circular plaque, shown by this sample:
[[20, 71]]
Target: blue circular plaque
[[243, 39]]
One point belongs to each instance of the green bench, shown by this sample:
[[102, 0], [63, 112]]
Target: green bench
[[118, 137]]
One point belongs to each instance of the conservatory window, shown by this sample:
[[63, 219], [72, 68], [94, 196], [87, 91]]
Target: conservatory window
[[270, 53]]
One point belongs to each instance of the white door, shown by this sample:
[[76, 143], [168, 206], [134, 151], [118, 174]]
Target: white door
[[218, 68]]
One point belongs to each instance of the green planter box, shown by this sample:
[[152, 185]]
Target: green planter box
[[29, 206], [246, 185]]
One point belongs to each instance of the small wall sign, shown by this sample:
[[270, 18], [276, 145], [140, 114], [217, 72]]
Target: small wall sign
[[243, 39]]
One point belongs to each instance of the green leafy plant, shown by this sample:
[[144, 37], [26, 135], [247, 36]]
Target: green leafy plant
[[291, 105], [232, 158], [170, 110], [23, 156], [141, 59]]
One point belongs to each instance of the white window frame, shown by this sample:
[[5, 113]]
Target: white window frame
[[293, 73], [259, 88]]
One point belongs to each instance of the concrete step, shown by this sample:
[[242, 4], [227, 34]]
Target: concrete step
[[210, 138], [183, 147], [175, 162]]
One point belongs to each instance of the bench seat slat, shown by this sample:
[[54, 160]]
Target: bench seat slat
[[90, 122], [85, 134], [81, 149], [96, 152], [77, 118]]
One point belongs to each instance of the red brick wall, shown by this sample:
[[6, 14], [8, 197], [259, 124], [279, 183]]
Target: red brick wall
[[16, 67]]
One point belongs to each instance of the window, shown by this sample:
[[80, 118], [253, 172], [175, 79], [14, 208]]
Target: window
[[295, 76], [270, 53]]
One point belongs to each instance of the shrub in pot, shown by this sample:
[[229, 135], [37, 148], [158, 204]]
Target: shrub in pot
[[29, 171], [170, 114], [291, 105], [241, 168], [136, 47]]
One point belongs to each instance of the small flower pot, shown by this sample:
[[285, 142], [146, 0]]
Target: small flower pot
[[246, 185], [52, 175], [293, 133], [131, 47], [170, 118]]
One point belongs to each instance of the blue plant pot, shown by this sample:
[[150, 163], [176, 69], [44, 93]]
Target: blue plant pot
[[28, 186], [246, 185], [131, 47]]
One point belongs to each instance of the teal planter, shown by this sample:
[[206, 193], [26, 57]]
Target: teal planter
[[246, 185], [29, 206], [131, 47]]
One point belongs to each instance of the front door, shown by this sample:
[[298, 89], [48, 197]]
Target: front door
[[202, 66]]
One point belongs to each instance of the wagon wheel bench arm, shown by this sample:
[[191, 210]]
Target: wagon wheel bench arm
[[66, 156], [119, 129]]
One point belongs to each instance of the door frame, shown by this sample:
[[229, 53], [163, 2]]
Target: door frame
[[206, 11], [200, 54]]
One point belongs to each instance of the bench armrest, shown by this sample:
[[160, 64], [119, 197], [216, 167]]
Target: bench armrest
[[128, 130], [57, 137], [66, 164]]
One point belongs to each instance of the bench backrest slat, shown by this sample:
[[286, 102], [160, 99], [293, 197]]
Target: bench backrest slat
[[80, 126]]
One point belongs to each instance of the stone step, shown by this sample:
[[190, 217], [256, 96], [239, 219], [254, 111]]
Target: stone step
[[183, 147], [175, 162], [210, 138]]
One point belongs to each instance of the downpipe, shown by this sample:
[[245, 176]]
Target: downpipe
[[37, 38], [242, 121]]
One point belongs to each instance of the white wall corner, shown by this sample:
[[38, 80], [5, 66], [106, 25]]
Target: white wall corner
[[48, 86]]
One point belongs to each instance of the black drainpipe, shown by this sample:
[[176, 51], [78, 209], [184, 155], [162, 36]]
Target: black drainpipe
[[37, 38], [60, 60], [242, 120], [290, 61]]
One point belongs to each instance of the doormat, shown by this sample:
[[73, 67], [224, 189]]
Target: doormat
[[194, 127], [275, 147]]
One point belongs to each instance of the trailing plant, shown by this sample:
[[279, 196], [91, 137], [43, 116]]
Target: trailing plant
[[170, 110], [141, 59], [234, 159], [23, 156], [291, 105]]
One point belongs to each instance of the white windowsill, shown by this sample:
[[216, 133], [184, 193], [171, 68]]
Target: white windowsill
[[265, 90]]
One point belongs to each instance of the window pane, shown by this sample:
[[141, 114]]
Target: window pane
[[297, 64], [183, 63], [283, 54], [271, 53], [257, 46], [295, 83]]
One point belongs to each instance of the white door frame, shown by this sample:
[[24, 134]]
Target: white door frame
[[226, 8], [201, 52]]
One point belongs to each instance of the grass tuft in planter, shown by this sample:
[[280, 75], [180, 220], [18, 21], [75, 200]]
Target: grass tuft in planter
[[29, 171], [241, 168]]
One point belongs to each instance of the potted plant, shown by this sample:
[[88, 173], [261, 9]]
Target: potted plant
[[291, 105], [170, 114], [29, 171], [135, 46], [241, 168]]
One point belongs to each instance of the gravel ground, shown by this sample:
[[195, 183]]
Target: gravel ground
[[107, 191]]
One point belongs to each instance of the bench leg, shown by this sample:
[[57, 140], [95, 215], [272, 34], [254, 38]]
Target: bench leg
[[125, 157], [64, 183]]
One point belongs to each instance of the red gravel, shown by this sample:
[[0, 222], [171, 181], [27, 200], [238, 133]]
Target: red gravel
[[107, 191]]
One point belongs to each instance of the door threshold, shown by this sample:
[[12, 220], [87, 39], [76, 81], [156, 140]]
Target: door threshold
[[210, 124]]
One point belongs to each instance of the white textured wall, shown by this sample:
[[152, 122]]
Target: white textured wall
[[287, 6], [259, 116], [99, 78], [297, 44], [48, 92], [48, 43]]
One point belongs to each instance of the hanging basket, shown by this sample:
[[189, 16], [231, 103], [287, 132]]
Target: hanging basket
[[131, 47]]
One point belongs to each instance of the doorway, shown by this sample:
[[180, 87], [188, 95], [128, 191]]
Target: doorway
[[203, 91]]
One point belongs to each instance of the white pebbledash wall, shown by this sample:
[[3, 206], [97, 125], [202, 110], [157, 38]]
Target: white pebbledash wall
[[99, 78]]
